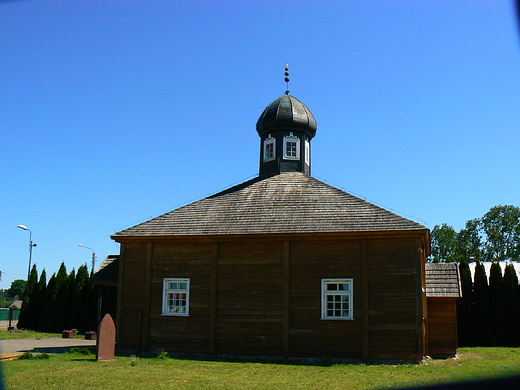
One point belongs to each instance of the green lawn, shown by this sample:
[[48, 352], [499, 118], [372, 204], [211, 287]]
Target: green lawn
[[25, 334], [76, 371]]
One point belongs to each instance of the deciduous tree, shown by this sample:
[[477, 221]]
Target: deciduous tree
[[443, 243], [16, 290], [501, 225]]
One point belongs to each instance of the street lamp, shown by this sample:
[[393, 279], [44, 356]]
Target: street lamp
[[93, 256], [30, 248]]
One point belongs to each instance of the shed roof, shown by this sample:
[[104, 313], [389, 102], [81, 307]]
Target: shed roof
[[284, 203], [442, 280], [107, 272]]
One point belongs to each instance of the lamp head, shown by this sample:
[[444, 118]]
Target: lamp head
[[23, 227]]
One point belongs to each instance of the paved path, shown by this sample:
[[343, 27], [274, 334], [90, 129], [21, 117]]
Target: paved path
[[39, 345]]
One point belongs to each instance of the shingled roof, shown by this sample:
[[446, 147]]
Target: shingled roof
[[442, 280], [107, 272], [284, 203]]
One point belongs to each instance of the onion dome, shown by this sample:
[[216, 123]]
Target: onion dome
[[287, 113]]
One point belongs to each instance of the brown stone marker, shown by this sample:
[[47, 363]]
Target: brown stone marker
[[106, 340]]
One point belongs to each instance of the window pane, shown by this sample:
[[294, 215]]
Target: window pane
[[175, 296], [337, 295]]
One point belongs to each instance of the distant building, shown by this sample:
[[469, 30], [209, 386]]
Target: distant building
[[280, 265], [16, 304]]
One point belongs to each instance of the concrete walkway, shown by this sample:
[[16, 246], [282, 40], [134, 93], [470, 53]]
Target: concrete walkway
[[9, 348]]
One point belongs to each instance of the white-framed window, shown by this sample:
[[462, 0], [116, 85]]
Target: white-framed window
[[291, 147], [336, 299], [269, 148], [307, 152], [176, 296]]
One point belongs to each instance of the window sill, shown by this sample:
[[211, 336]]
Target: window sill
[[336, 319]]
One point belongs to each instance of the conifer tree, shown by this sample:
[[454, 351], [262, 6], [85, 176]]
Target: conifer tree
[[465, 306], [49, 324], [59, 307], [82, 289], [512, 306], [70, 302], [481, 306], [39, 302], [26, 315], [497, 306]]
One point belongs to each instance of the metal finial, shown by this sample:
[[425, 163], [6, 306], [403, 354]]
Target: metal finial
[[287, 79]]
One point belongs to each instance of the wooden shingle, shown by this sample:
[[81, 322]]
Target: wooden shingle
[[284, 203], [442, 280]]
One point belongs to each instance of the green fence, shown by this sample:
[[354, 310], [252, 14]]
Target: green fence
[[9, 316]]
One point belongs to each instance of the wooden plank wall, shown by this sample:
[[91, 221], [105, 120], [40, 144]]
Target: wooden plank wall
[[309, 335], [393, 300], [263, 297], [130, 298], [442, 327]]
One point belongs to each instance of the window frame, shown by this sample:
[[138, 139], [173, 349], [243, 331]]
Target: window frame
[[166, 291], [291, 138], [269, 141], [338, 293], [307, 152]]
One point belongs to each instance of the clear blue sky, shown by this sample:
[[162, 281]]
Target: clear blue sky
[[113, 112]]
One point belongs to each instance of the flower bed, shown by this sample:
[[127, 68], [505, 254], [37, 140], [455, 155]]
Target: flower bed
[[90, 335], [68, 334]]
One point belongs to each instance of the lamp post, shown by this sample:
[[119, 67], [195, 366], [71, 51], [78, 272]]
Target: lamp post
[[30, 248], [93, 256]]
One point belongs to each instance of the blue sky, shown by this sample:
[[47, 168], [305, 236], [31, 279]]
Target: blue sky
[[113, 112]]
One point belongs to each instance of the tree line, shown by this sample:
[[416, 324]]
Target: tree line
[[67, 301], [489, 310], [488, 314], [494, 237]]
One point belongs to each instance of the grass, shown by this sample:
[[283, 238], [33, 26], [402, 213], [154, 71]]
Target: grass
[[78, 371], [25, 334]]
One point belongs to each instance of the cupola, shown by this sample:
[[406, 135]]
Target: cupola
[[286, 128]]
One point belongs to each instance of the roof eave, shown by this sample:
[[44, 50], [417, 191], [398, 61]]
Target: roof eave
[[423, 232]]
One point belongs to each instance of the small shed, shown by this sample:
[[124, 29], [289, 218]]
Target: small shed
[[106, 279], [442, 292]]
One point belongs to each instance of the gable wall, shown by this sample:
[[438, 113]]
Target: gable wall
[[263, 297]]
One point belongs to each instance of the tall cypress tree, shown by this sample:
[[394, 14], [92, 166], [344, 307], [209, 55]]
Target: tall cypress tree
[[26, 318], [465, 306], [50, 302], [497, 306], [512, 306], [481, 306], [59, 307], [84, 306], [70, 302], [39, 302]]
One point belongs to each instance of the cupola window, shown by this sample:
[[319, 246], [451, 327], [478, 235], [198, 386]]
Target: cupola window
[[307, 152], [291, 147], [269, 148]]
